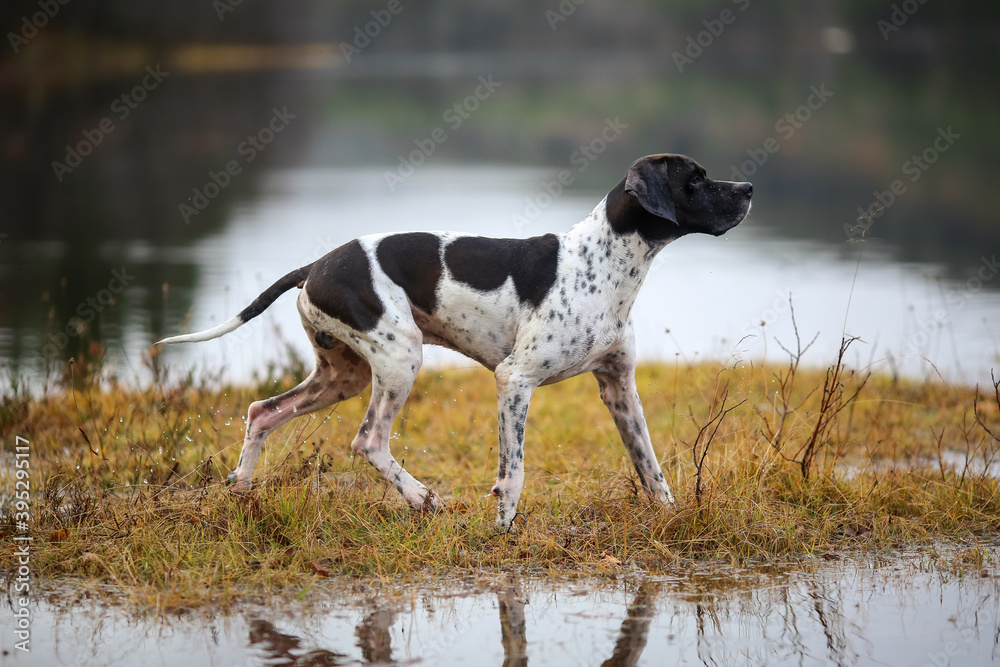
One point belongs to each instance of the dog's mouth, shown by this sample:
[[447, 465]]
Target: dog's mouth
[[741, 199]]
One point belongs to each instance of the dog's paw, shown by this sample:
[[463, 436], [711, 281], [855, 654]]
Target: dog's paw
[[507, 521], [508, 528], [432, 502], [235, 485]]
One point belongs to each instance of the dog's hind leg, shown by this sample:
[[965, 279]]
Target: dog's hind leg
[[394, 370], [340, 374]]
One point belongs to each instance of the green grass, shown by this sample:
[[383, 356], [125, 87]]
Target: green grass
[[127, 484]]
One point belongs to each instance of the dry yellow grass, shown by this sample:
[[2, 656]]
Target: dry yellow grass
[[127, 484]]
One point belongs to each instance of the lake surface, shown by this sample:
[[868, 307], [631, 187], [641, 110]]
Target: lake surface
[[227, 175], [705, 298], [912, 610]]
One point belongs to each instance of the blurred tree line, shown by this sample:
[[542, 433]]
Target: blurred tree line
[[967, 26], [62, 83]]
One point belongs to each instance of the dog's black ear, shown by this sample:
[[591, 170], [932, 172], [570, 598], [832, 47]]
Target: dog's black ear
[[647, 181]]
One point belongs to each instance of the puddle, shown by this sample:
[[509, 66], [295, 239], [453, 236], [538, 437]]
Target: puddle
[[980, 464], [902, 612], [974, 465]]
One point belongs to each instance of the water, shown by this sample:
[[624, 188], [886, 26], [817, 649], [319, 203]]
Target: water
[[705, 298], [899, 611], [108, 254]]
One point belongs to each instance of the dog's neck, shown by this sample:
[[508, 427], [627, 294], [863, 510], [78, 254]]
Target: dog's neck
[[610, 256]]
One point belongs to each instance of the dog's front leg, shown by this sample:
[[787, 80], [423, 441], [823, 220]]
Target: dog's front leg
[[514, 391], [618, 391]]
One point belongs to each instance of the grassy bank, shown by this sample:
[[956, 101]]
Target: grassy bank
[[127, 485]]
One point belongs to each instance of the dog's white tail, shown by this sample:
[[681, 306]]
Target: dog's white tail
[[231, 324], [296, 278]]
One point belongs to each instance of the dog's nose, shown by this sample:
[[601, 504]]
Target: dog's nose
[[747, 188]]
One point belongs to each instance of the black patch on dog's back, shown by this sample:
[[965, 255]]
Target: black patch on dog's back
[[340, 284], [534, 264], [413, 261], [480, 263], [484, 264]]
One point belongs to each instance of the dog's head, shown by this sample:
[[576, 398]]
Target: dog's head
[[667, 196]]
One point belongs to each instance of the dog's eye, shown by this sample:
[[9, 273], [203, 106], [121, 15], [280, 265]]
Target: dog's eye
[[697, 179]]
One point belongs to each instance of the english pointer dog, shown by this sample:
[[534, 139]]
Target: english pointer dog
[[534, 311]]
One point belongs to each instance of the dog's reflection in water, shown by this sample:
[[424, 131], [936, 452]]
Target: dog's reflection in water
[[374, 636], [283, 650]]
